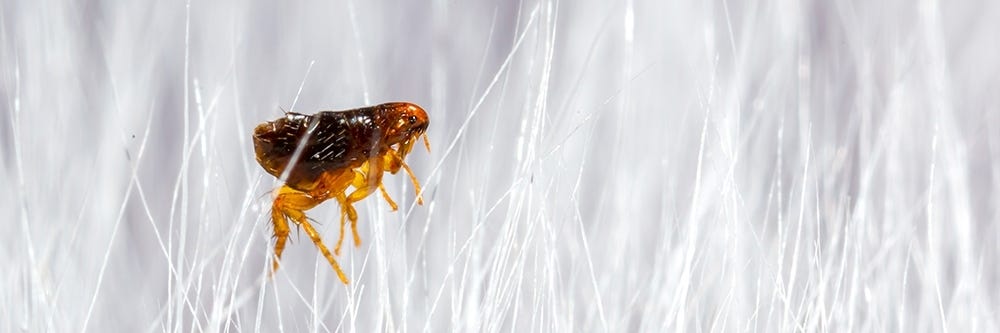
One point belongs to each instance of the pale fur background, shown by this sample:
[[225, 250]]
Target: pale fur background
[[638, 165]]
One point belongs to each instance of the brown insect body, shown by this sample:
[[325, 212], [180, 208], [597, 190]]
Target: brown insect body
[[336, 150], [340, 139]]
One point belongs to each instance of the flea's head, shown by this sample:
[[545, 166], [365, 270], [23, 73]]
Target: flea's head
[[404, 124]]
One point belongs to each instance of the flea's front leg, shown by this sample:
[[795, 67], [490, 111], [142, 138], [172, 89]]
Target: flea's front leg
[[393, 162]]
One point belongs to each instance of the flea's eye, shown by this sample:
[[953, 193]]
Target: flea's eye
[[413, 120]]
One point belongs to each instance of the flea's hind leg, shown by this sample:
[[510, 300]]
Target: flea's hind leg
[[280, 234], [322, 248], [287, 202], [293, 204]]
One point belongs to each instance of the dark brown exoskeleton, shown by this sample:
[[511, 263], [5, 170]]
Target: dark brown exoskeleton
[[321, 156]]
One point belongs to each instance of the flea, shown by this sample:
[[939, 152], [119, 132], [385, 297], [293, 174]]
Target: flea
[[338, 155]]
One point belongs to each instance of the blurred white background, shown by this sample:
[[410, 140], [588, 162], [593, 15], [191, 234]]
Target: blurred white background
[[617, 166]]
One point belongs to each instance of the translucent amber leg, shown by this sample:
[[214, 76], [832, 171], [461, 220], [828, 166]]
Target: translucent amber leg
[[366, 180], [394, 162], [292, 204], [281, 231], [343, 221], [416, 184], [392, 204]]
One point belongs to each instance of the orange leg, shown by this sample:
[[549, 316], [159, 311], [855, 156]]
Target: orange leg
[[367, 178], [339, 184], [395, 162], [292, 204], [347, 212], [281, 232], [416, 184], [392, 204], [341, 198]]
